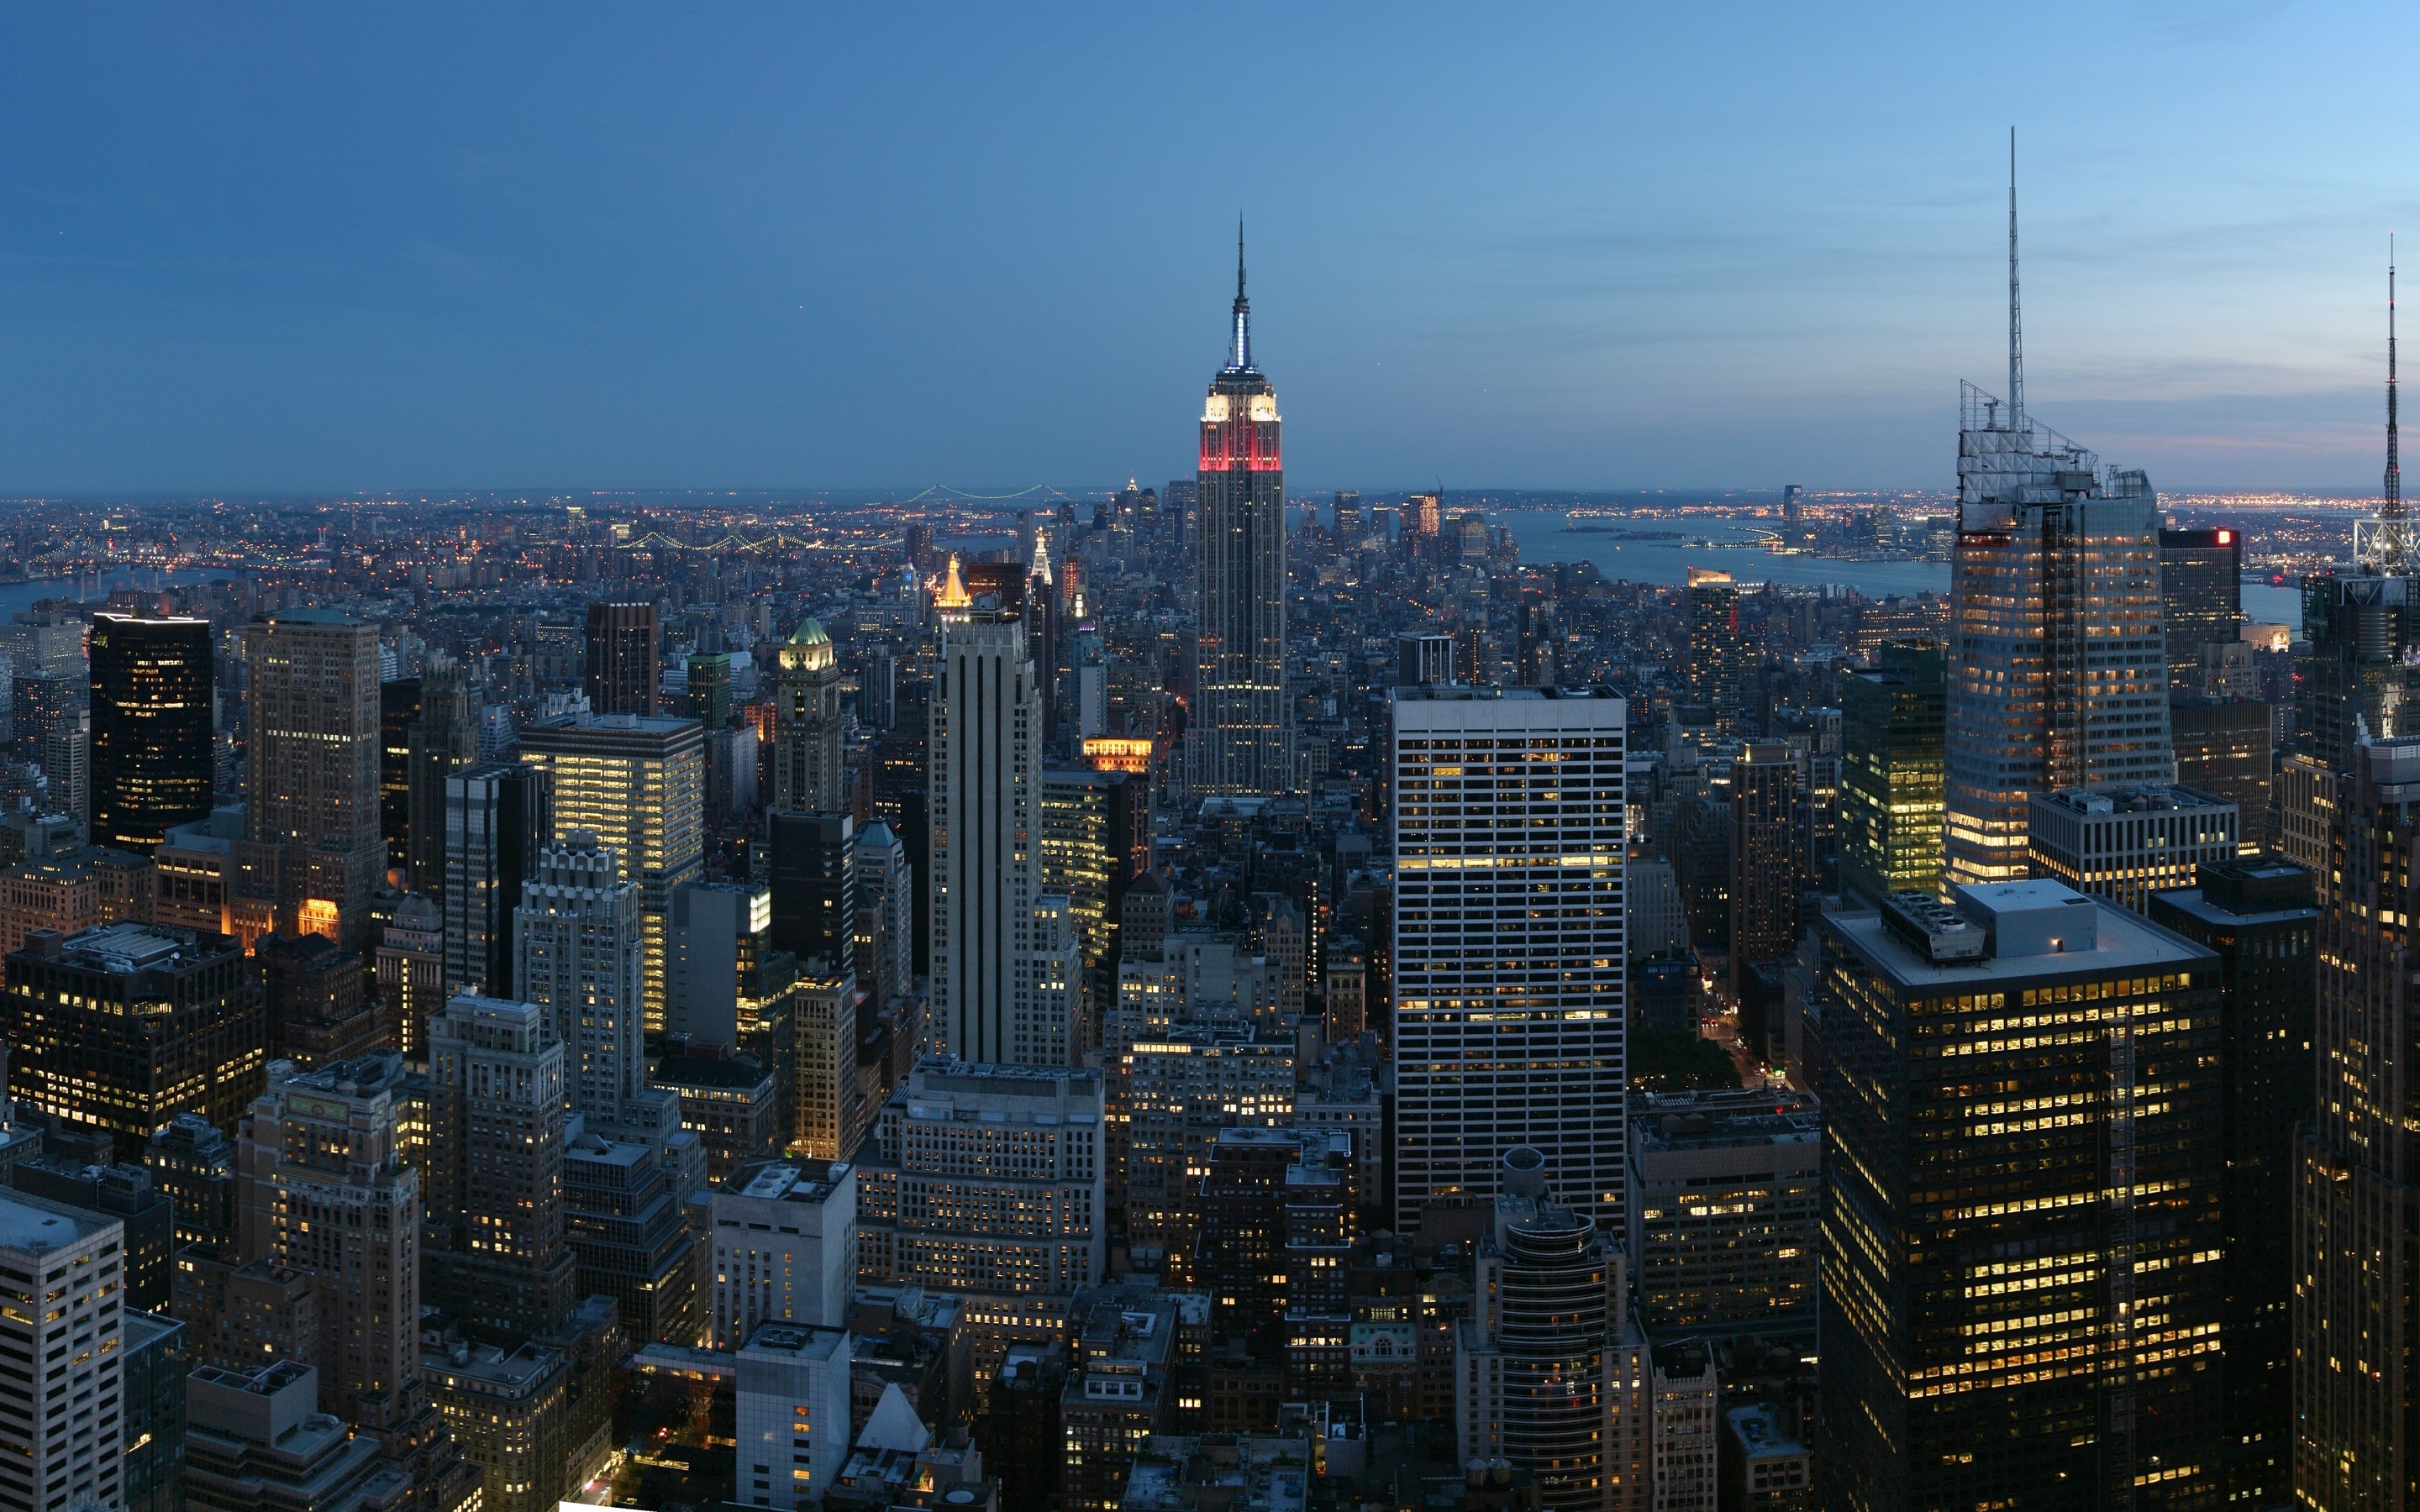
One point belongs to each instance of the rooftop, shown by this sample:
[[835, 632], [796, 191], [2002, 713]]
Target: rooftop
[[2108, 941], [36, 1225]]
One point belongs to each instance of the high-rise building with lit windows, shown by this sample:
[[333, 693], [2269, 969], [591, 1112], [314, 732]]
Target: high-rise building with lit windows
[[151, 735], [2058, 653], [638, 784], [314, 850], [1720, 657], [2022, 1229], [1508, 942], [1891, 730], [622, 649], [807, 725], [2356, 1211], [1240, 742]]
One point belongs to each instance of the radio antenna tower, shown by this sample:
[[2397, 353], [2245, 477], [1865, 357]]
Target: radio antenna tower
[[2016, 326], [2390, 508]]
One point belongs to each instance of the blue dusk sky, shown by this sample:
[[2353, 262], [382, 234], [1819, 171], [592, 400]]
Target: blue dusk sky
[[418, 247]]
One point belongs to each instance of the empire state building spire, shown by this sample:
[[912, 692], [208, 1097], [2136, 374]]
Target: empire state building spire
[[2390, 507], [1239, 348]]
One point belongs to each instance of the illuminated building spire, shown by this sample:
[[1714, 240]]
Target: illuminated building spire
[[1239, 351], [954, 596]]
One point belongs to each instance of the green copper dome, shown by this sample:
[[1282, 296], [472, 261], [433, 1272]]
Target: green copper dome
[[809, 633]]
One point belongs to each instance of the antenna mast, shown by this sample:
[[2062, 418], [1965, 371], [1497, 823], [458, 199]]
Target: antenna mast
[[2016, 329], [2390, 508]]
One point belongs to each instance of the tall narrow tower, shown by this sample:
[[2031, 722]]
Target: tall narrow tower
[[2058, 658], [807, 724], [1240, 743]]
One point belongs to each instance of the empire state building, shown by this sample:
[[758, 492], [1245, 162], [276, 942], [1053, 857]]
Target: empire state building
[[1239, 744]]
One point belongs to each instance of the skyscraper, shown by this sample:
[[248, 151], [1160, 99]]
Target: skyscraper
[[622, 655], [1720, 658], [1508, 943], [69, 1252], [1768, 857], [1549, 1368], [985, 745], [2202, 595], [314, 849], [399, 707], [1240, 742], [2257, 914], [807, 724], [2023, 1164], [441, 741], [813, 875], [152, 702], [2356, 1217], [638, 784], [495, 1181], [2058, 660], [1891, 731], [496, 823], [577, 939]]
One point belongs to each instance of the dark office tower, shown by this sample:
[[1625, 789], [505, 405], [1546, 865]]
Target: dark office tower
[[2356, 1329], [150, 728], [901, 789], [622, 658], [45, 702], [1793, 500], [1891, 727], [709, 689], [122, 1027], [2202, 595], [1720, 658], [398, 707], [2258, 915], [2223, 750], [1239, 744], [497, 1088], [807, 724], [496, 821], [313, 849], [2023, 1164], [1767, 855], [815, 888], [1348, 515], [316, 1000], [1424, 656], [443, 741]]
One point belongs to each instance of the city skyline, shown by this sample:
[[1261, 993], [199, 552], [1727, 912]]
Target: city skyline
[[763, 276]]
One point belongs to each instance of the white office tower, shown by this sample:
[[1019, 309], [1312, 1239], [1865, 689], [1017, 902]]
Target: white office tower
[[578, 955], [791, 1414], [985, 750], [785, 1248], [984, 1178], [1549, 1369], [67, 1285], [1508, 946], [1091, 682], [2058, 658]]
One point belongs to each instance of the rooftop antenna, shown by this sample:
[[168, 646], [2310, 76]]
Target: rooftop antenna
[[2016, 326], [1243, 339], [2390, 508]]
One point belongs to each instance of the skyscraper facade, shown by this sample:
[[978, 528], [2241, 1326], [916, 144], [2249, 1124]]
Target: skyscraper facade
[[638, 784], [1892, 724], [2356, 1334], [150, 745], [577, 939], [496, 823], [2202, 595], [1508, 942], [1240, 741], [315, 851], [1767, 855], [2058, 660], [2258, 916], [495, 1170], [622, 655], [986, 745], [1720, 658], [807, 724], [2022, 1167], [441, 741]]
